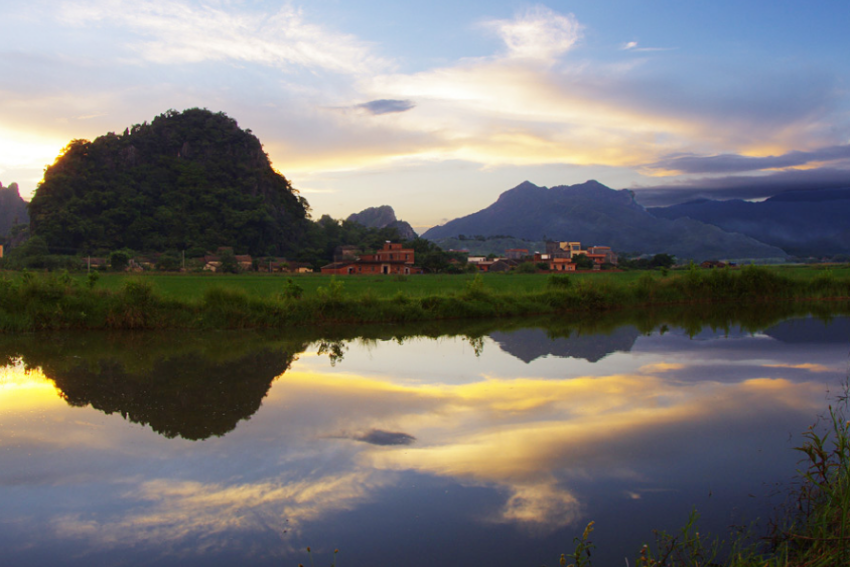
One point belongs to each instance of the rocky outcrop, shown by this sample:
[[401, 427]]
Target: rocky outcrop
[[381, 217]]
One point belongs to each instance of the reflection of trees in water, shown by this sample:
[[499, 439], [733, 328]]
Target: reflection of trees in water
[[180, 385], [199, 385], [188, 395]]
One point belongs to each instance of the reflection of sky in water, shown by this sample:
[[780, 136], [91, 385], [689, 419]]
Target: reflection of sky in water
[[420, 453]]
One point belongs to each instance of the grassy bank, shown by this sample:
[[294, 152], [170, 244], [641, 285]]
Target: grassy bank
[[810, 530], [31, 302]]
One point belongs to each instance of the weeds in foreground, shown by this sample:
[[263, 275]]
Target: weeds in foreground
[[310, 557], [811, 531]]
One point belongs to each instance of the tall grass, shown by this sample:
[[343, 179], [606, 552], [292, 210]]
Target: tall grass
[[58, 301]]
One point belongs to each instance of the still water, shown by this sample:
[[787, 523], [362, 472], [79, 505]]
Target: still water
[[483, 443]]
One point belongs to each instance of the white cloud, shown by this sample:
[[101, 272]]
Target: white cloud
[[181, 32], [539, 33]]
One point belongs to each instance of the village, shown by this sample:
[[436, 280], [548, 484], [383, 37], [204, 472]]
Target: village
[[394, 259]]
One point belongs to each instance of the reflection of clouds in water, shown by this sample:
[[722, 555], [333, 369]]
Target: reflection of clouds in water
[[809, 367], [526, 437], [540, 507], [176, 510], [378, 437]]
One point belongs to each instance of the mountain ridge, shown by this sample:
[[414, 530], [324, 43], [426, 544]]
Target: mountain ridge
[[803, 223], [595, 214]]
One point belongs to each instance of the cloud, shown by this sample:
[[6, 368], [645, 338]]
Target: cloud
[[741, 187], [386, 106], [538, 34], [633, 46], [181, 32], [733, 163], [380, 437]]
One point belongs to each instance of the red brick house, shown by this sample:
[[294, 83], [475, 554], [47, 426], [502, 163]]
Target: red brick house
[[391, 259]]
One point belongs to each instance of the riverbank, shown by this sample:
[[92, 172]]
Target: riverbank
[[33, 302]]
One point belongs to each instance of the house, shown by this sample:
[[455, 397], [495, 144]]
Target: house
[[713, 264], [245, 262], [609, 257], [561, 264], [391, 259]]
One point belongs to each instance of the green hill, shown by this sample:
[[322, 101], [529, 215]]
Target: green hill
[[187, 179]]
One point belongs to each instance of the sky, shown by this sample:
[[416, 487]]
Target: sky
[[435, 108]]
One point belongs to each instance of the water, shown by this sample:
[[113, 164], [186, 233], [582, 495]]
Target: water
[[481, 443]]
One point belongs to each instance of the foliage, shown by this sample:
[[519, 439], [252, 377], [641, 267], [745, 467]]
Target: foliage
[[583, 262], [327, 234], [169, 261], [582, 549], [229, 265], [32, 301], [187, 179], [658, 261], [119, 260], [292, 290]]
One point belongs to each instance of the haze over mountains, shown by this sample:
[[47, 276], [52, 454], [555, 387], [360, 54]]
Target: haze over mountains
[[803, 223], [597, 215], [13, 209]]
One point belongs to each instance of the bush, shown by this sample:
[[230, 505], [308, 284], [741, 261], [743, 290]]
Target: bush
[[556, 281]]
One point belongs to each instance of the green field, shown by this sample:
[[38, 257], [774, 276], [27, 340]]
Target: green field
[[188, 287], [35, 301]]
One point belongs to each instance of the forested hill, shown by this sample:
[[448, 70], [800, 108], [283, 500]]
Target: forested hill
[[187, 179]]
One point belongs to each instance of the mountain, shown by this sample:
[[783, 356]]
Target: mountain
[[530, 344], [187, 179], [597, 215], [803, 223], [383, 217], [13, 209]]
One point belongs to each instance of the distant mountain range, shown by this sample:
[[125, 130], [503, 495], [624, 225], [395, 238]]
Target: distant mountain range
[[382, 217], [13, 209], [803, 223], [597, 215]]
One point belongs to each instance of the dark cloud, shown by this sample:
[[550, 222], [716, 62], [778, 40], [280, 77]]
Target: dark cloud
[[742, 187], [379, 437], [386, 106], [733, 163]]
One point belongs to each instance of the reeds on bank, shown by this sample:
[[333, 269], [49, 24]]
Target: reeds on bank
[[31, 302]]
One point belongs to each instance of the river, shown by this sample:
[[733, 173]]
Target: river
[[463, 443]]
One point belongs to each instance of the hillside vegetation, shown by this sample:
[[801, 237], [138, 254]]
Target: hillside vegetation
[[187, 179]]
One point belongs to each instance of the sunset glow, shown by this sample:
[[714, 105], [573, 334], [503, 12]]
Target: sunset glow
[[536, 92]]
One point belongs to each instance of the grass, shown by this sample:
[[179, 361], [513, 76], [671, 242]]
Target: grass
[[61, 301], [263, 285], [811, 530]]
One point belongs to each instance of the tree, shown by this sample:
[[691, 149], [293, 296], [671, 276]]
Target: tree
[[119, 260], [583, 262], [229, 264]]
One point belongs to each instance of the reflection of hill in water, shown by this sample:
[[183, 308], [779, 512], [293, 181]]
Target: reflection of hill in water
[[183, 386], [810, 330], [188, 396], [529, 344]]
